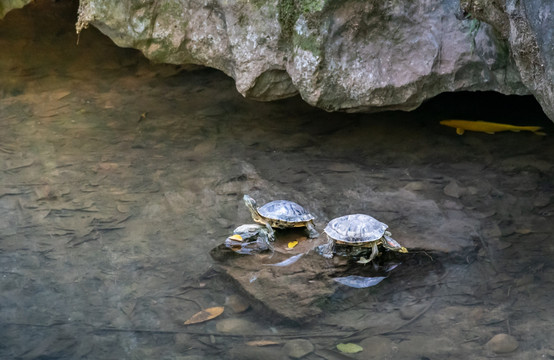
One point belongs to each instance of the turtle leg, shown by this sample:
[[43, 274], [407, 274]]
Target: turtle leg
[[311, 230], [374, 251], [327, 250], [270, 232], [263, 241]]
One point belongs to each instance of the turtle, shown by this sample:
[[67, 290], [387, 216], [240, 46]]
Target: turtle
[[358, 230], [248, 239], [281, 214]]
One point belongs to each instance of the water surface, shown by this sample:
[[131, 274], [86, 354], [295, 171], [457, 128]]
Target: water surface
[[118, 177]]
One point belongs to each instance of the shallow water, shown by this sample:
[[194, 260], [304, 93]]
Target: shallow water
[[118, 177]]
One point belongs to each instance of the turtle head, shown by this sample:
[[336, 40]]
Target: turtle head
[[392, 244], [252, 206], [250, 202]]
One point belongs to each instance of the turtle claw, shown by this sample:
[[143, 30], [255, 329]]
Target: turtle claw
[[374, 252], [325, 251]]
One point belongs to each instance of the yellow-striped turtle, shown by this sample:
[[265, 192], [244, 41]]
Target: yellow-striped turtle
[[249, 239], [361, 231], [280, 214]]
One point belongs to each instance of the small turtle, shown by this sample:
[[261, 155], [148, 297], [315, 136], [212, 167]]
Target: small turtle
[[281, 214], [248, 239], [361, 231]]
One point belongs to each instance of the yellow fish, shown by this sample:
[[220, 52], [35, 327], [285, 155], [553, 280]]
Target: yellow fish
[[487, 127]]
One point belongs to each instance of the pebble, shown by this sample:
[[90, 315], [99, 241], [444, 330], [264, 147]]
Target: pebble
[[237, 303], [123, 208], [541, 200], [415, 186], [377, 347], [298, 348], [235, 326], [491, 230], [408, 312], [454, 190], [453, 205], [502, 343]]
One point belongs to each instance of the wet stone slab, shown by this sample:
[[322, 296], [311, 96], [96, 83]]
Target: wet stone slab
[[287, 284], [297, 284]]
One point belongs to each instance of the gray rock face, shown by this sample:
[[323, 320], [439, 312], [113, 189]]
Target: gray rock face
[[343, 55], [339, 55], [528, 28]]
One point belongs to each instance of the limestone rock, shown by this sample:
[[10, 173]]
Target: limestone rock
[[344, 55], [338, 55], [527, 28]]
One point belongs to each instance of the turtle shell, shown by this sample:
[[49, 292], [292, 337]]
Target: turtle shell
[[285, 211], [355, 229]]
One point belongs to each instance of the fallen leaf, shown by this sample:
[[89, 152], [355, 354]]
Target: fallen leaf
[[292, 244], [524, 231], [205, 315], [236, 237], [349, 348], [261, 343]]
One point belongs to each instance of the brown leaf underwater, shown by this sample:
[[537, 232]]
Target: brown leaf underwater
[[205, 315]]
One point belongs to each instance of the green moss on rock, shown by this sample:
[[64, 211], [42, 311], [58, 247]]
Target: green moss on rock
[[289, 13]]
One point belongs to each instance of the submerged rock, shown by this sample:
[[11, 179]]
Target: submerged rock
[[298, 348], [502, 344], [236, 326], [299, 291], [280, 292]]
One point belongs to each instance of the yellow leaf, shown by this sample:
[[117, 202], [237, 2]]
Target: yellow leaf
[[205, 315], [236, 237], [292, 244], [262, 343]]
